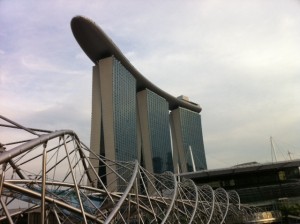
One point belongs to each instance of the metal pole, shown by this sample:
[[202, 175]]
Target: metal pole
[[56, 216], [137, 198], [18, 125], [75, 182], [43, 210], [147, 196], [100, 181], [2, 177], [82, 156], [6, 212]]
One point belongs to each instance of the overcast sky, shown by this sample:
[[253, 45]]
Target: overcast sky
[[240, 60]]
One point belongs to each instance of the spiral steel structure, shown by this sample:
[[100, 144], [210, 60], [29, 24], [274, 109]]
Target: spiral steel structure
[[50, 172]]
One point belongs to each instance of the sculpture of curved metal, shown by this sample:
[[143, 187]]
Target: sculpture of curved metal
[[51, 173]]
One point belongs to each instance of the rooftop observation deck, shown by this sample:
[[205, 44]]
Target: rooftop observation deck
[[97, 45]]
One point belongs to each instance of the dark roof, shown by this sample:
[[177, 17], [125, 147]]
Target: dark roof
[[242, 169], [97, 45]]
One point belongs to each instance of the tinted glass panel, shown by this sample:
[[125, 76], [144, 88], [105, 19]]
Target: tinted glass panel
[[158, 115], [192, 139], [124, 101]]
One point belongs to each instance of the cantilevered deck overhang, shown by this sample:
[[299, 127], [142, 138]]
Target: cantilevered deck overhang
[[97, 45]]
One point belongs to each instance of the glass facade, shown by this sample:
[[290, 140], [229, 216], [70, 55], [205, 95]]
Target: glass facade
[[124, 112], [192, 139], [159, 130], [120, 123]]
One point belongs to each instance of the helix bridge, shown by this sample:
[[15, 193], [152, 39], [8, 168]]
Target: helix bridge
[[54, 173]]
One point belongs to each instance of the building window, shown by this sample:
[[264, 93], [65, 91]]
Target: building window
[[281, 175]]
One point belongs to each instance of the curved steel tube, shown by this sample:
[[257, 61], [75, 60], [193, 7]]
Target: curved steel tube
[[7, 155], [213, 202], [196, 202], [49, 200], [161, 199], [232, 194], [223, 192], [173, 199], [126, 192]]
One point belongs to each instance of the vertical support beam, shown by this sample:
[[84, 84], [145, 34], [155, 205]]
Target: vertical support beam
[[137, 200], [142, 106], [43, 195], [75, 182], [2, 177], [179, 155], [95, 126], [105, 67]]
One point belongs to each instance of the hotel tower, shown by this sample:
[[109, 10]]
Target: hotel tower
[[132, 119]]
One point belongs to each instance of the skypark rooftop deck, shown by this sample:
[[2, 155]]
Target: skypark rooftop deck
[[97, 45]]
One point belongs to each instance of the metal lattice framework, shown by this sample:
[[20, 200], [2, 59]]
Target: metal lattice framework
[[52, 173]]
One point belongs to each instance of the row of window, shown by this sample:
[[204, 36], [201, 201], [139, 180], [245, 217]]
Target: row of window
[[125, 125], [124, 102], [192, 140], [253, 179]]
